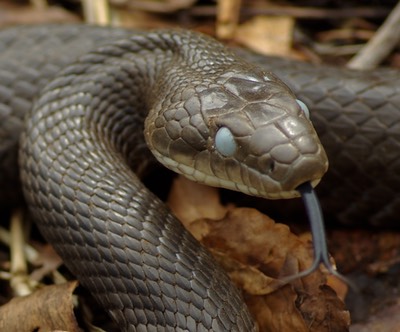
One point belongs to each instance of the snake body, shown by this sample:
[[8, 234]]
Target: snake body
[[202, 111], [115, 235]]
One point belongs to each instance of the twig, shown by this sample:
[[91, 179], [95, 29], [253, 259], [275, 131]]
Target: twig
[[96, 11], [19, 282], [379, 46], [39, 4], [30, 252], [227, 18], [298, 12]]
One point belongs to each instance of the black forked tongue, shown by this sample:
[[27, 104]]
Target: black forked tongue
[[321, 255]]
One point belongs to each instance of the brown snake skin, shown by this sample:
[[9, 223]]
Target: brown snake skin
[[354, 113]]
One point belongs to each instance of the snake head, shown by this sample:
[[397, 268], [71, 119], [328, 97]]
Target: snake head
[[243, 131]]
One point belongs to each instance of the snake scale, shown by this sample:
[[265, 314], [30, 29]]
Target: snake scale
[[181, 287]]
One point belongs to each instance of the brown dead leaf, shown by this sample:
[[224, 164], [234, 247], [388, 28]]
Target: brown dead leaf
[[47, 309], [246, 240], [257, 253], [272, 313], [200, 201], [267, 34]]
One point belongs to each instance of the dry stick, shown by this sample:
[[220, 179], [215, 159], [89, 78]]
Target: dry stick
[[156, 6], [19, 270], [96, 11], [386, 38], [227, 18], [39, 4], [298, 12]]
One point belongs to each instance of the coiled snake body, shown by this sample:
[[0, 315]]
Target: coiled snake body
[[85, 136]]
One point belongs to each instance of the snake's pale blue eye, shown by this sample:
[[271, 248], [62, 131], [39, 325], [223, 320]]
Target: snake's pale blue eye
[[224, 142], [304, 108]]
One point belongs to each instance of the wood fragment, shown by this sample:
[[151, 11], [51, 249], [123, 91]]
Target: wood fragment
[[299, 12], [227, 18], [378, 48], [20, 281], [267, 35], [96, 11]]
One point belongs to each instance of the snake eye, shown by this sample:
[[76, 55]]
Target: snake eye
[[304, 108], [224, 142]]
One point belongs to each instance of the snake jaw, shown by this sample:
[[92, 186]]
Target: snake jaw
[[197, 176]]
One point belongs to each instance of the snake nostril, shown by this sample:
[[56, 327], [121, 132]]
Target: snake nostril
[[271, 166], [266, 164]]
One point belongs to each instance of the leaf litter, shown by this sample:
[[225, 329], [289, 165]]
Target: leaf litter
[[257, 252]]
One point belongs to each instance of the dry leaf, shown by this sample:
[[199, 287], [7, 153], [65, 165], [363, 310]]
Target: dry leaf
[[257, 252], [267, 34], [200, 201], [47, 309]]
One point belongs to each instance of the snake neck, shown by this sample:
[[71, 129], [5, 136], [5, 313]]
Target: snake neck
[[128, 79], [84, 133]]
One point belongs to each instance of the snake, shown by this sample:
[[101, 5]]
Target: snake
[[107, 103]]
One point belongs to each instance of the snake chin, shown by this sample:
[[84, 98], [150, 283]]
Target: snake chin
[[213, 181]]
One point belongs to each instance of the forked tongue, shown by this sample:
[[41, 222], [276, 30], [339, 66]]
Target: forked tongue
[[321, 255]]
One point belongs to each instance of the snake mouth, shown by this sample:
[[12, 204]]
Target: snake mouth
[[313, 184], [296, 193], [274, 192]]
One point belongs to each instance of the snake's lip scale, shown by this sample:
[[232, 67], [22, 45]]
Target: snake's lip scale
[[198, 176], [296, 193]]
